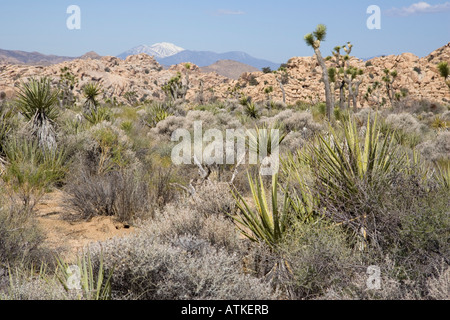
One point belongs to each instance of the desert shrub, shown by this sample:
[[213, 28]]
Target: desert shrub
[[213, 198], [418, 237], [408, 130], [166, 127], [391, 287], [293, 142], [319, 256], [120, 194], [23, 286], [437, 149], [414, 106], [297, 121], [184, 266], [20, 237], [174, 221], [405, 122], [318, 111], [439, 286], [104, 147], [99, 115], [362, 116]]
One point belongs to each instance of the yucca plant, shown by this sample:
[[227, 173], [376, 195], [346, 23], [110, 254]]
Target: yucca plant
[[345, 159], [93, 282], [91, 91], [251, 110], [6, 114], [443, 174], [346, 168], [444, 71], [29, 168], [37, 102], [265, 223], [262, 137], [440, 124], [96, 116], [156, 113], [303, 200]]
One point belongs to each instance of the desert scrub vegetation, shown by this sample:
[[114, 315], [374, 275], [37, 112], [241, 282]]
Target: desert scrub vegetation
[[353, 190]]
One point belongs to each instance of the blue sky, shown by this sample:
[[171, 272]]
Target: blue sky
[[270, 30]]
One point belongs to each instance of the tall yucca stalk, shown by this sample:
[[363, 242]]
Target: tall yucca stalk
[[37, 102], [265, 223]]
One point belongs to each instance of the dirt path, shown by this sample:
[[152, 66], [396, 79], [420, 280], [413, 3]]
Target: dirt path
[[67, 235]]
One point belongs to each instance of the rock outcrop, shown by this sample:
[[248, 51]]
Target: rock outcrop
[[144, 76]]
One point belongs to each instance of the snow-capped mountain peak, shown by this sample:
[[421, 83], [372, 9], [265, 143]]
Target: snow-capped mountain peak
[[158, 50], [165, 49]]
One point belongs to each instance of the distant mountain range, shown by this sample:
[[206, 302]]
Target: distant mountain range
[[38, 59], [168, 54], [158, 50]]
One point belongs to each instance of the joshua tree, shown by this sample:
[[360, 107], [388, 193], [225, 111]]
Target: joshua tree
[[175, 88], [373, 94], [67, 82], [282, 77], [353, 83], [268, 91], [444, 71], [91, 91], [340, 62], [37, 102], [389, 79], [314, 40]]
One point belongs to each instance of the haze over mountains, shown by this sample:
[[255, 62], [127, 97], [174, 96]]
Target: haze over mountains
[[168, 54], [229, 64]]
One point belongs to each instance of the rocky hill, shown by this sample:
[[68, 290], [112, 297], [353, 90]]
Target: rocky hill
[[229, 68], [144, 76]]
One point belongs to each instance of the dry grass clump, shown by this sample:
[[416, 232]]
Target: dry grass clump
[[121, 194]]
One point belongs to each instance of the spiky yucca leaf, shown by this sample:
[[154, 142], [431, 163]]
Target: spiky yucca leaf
[[443, 175], [36, 98], [91, 91], [95, 116], [157, 113], [321, 32], [303, 200], [94, 286], [346, 159], [37, 102], [265, 223], [260, 140]]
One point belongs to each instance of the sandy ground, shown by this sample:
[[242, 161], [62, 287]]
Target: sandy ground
[[66, 233]]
